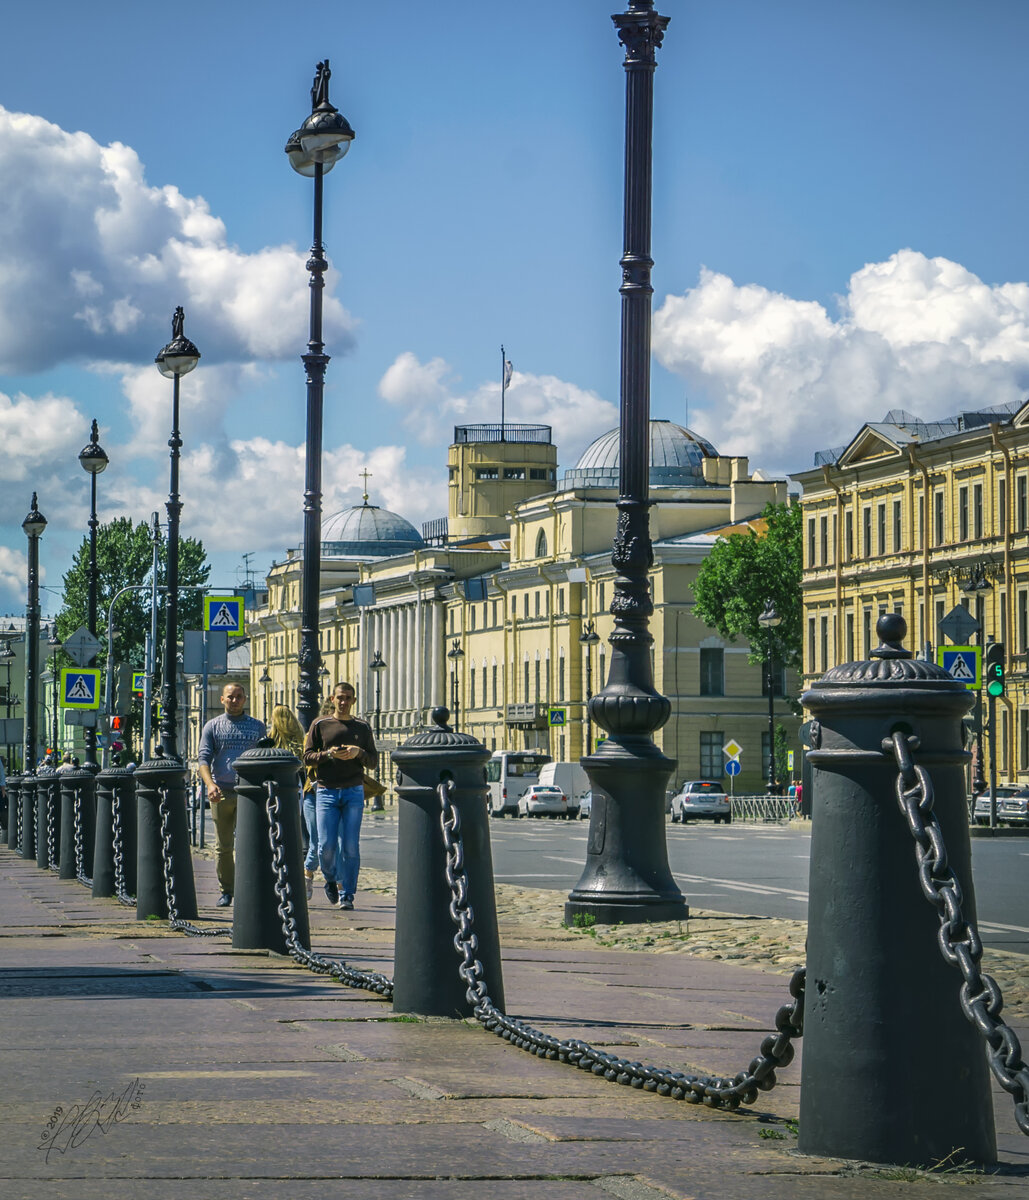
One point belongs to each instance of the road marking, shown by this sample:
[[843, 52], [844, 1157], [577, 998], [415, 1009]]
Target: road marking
[[762, 890], [993, 927], [557, 858]]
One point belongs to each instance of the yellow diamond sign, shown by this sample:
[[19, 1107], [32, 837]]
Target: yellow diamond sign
[[732, 748]]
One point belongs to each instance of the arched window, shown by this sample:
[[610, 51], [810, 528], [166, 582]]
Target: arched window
[[541, 544]]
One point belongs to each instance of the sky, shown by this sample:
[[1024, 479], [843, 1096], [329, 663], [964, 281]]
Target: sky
[[838, 230]]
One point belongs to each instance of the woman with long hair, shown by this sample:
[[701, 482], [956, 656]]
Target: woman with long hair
[[286, 733]]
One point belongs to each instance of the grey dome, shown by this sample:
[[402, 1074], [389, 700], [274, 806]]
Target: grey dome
[[676, 459], [367, 531]]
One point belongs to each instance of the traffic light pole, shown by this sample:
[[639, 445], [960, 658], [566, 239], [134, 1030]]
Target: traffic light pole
[[993, 761]]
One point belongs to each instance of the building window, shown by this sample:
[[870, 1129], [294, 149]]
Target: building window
[[851, 648], [1023, 621], [561, 678], [825, 643], [493, 671], [600, 597], [536, 602], [1003, 617], [848, 533], [1023, 515], [1002, 506], [514, 472], [963, 514], [537, 473], [712, 672], [921, 522], [880, 520], [811, 645], [977, 511], [823, 529], [560, 599], [811, 541], [711, 755], [548, 693], [866, 518], [471, 616], [486, 473], [898, 536], [541, 544], [866, 630], [537, 674], [938, 517], [471, 687], [525, 665]]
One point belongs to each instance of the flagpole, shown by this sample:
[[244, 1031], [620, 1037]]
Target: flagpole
[[503, 387]]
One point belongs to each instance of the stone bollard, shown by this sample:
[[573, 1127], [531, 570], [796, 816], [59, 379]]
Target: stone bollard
[[27, 835], [13, 811], [45, 779], [113, 786], [892, 1070], [256, 923], [425, 975], [155, 778], [78, 800]]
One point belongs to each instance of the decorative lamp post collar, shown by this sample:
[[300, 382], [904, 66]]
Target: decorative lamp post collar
[[35, 522], [180, 356], [93, 457], [265, 677], [325, 136], [589, 635], [53, 641]]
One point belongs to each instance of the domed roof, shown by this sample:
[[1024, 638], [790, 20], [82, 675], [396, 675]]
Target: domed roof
[[676, 458], [367, 531]]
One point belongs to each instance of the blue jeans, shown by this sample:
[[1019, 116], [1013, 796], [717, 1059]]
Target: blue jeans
[[339, 812], [311, 821]]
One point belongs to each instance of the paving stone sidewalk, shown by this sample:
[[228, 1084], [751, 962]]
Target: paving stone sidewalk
[[223, 1074]]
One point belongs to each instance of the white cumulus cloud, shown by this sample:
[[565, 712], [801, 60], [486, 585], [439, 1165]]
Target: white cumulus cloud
[[94, 259], [431, 403], [782, 377]]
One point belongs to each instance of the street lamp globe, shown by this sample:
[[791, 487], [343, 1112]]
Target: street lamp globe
[[325, 137], [180, 356], [264, 677], [35, 522], [769, 618], [7, 653], [93, 457]]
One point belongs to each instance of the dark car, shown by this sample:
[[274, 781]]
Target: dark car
[[1012, 806]]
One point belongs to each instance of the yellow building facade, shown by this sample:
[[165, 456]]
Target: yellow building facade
[[917, 517], [496, 620]]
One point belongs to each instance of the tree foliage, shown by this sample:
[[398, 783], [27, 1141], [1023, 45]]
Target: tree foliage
[[745, 570], [124, 557]]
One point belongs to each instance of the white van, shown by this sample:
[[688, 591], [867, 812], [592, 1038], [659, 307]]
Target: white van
[[570, 778]]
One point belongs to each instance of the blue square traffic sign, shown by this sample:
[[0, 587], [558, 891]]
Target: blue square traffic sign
[[80, 687]]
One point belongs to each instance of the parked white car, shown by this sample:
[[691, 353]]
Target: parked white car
[[701, 800], [586, 805], [541, 800]]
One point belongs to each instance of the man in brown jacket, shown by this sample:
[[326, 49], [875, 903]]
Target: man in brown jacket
[[339, 747]]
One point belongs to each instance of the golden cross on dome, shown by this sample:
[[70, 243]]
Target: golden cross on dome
[[365, 475]]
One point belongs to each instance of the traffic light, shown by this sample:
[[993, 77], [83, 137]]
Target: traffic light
[[995, 669], [123, 688]]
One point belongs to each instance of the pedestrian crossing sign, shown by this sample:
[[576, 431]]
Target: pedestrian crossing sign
[[224, 613], [139, 681], [80, 687], [963, 663], [557, 716]]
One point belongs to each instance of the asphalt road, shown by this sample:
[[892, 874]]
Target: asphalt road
[[756, 870]]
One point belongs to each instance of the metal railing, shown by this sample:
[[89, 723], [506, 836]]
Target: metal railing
[[778, 809]]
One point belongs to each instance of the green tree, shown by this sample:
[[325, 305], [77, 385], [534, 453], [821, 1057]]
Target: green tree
[[124, 557], [743, 572]]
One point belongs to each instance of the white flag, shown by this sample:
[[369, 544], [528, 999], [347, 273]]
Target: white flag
[[508, 372]]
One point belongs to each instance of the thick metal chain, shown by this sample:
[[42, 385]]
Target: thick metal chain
[[370, 981], [119, 850], [51, 822], [169, 878], [77, 815], [959, 941], [714, 1091], [19, 833]]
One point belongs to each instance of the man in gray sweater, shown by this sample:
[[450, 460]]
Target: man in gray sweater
[[222, 741]]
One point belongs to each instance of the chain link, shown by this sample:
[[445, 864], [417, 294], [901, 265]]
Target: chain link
[[164, 810], [19, 832], [714, 1091], [53, 786], [119, 849], [370, 981], [77, 814], [959, 941]]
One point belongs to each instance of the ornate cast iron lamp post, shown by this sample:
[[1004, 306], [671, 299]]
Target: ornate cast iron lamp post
[[378, 665], [264, 680], [979, 587], [178, 358], [54, 642], [34, 524], [7, 656], [588, 639], [94, 460], [455, 654], [769, 620], [626, 877], [314, 148]]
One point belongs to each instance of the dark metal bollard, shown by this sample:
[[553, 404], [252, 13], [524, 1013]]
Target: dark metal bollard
[[44, 825], [256, 923], [122, 785], [113, 786], [78, 800], [425, 977], [27, 837], [155, 778], [13, 811], [892, 1070]]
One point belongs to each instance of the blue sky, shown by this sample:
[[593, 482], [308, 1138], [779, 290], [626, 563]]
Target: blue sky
[[837, 231]]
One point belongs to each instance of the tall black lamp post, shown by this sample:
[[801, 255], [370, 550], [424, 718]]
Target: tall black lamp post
[[769, 619], [626, 877], [34, 524], [264, 680], [378, 665], [94, 460], [979, 587], [178, 358], [314, 148], [588, 639], [54, 642], [455, 654]]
